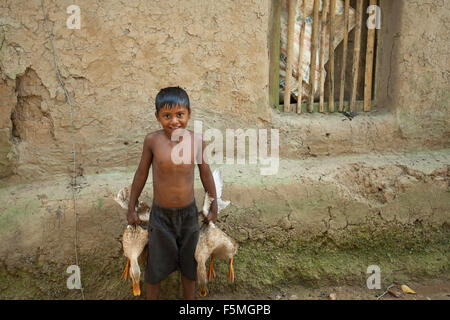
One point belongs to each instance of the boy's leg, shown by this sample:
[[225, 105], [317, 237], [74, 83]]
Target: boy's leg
[[188, 288], [152, 290], [189, 233]]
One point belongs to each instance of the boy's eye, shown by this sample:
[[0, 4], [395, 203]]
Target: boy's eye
[[180, 115], [166, 116]]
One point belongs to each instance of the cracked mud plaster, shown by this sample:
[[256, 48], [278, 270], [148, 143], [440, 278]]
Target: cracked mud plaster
[[116, 63], [315, 218], [353, 197], [419, 75], [125, 52], [113, 67]]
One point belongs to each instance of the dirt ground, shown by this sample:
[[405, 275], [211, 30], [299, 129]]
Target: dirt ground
[[430, 289]]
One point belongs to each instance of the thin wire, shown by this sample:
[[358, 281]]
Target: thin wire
[[384, 293], [69, 102]]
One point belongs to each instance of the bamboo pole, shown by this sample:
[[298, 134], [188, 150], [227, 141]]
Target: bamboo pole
[[344, 56], [315, 34], [356, 54], [331, 56], [369, 66], [377, 66], [290, 55], [300, 60], [322, 55], [274, 73]]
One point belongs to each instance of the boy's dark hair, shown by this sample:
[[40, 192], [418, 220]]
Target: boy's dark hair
[[171, 97]]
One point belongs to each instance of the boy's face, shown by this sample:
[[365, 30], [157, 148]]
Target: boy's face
[[173, 118]]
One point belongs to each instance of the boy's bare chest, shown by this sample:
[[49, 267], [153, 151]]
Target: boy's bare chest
[[169, 158]]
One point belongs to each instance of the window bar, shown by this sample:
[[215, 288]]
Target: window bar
[[274, 73], [344, 56], [356, 54], [300, 60], [312, 74], [290, 55], [369, 66], [331, 57], [322, 55]]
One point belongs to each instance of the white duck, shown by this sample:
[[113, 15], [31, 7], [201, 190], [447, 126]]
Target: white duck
[[134, 240], [213, 241]]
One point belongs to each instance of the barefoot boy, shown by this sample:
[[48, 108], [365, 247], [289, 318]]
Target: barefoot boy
[[173, 228]]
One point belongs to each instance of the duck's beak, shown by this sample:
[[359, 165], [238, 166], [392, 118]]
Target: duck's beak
[[136, 289], [203, 292]]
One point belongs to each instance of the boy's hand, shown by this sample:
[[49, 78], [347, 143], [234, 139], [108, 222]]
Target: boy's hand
[[212, 215], [133, 218]]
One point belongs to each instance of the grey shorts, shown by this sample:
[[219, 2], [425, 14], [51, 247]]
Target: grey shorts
[[172, 239]]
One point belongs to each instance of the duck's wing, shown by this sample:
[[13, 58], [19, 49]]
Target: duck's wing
[[143, 211], [206, 204], [218, 181], [123, 197], [217, 175], [222, 204], [145, 217]]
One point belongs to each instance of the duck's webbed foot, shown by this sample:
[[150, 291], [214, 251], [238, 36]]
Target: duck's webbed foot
[[126, 271], [211, 272], [231, 272]]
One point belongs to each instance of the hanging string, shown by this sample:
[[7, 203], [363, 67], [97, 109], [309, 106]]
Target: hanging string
[[69, 102]]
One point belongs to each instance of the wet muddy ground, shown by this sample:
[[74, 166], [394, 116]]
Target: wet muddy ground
[[431, 289]]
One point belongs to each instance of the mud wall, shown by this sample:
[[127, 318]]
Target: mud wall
[[125, 52], [320, 218], [113, 67], [318, 221], [413, 73]]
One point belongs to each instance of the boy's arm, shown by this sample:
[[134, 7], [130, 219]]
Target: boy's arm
[[208, 183], [140, 177]]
